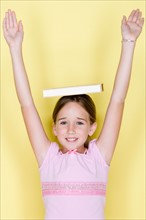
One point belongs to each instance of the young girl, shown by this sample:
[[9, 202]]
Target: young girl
[[74, 175]]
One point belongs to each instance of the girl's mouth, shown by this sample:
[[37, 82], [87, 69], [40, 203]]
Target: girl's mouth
[[71, 139]]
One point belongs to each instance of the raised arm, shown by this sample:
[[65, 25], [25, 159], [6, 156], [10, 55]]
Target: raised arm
[[131, 29], [13, 33]]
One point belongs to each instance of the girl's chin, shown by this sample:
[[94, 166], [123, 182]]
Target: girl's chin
[[66, 148], [71, 145]]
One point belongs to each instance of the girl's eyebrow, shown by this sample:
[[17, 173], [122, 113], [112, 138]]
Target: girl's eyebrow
[[77, 118], [61, 118], [81, 119]]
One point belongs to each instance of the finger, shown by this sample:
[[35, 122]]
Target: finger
[[141, 22], [14, 19], [20, 26], [4, 26], [136, 15], [124, 20], [131, 15], [7, 21], [139, 15], [139, 18], [10, 18]]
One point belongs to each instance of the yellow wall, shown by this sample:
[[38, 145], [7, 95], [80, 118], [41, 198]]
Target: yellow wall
[[70, 43]]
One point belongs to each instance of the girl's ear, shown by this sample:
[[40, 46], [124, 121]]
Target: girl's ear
[[92, 129], [54, 129]]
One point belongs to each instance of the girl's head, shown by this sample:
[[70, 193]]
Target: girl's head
[[74, 120], [83, 100]]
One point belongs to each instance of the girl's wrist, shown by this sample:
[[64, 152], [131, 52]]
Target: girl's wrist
[[128, 44], [128, 41], [128, 47]]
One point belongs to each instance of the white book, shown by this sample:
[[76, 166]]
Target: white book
[[75, 90]]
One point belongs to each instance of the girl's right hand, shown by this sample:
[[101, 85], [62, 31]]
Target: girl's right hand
[[13, 30]]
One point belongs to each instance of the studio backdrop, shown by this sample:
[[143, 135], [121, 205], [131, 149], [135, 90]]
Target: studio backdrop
[[72, 43]]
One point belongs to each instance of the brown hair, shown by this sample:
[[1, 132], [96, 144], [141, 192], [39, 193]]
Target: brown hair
[[83, 100]]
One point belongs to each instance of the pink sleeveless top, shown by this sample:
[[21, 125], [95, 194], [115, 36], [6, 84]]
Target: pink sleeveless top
[[74, 184]]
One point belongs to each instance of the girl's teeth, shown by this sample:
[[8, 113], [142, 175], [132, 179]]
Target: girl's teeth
[[71, 139]]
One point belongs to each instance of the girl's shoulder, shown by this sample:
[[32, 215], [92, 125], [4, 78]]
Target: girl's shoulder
[[94, 150], [53, 149]]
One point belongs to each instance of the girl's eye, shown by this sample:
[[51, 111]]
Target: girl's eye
[[63, 123], [80, 123]]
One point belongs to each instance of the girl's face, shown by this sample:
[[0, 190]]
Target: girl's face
[[73, 126]]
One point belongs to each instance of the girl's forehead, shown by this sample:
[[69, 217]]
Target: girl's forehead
[[72, 108]]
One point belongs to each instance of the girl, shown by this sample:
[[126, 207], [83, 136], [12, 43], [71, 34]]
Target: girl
[[74, 175]]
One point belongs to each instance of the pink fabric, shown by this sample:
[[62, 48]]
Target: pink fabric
[[74, 184]]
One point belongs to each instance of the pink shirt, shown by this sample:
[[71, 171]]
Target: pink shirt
[[74, 184]]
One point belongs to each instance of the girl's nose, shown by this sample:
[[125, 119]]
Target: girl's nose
[[71, 129]]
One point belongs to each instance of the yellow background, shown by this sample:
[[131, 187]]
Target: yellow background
[[69, 43]]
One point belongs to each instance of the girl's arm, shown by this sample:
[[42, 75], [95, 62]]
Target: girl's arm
[[131, 29], [13, 33]]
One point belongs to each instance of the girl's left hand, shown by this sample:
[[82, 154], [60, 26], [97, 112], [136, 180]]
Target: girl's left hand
[[132, 27]]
